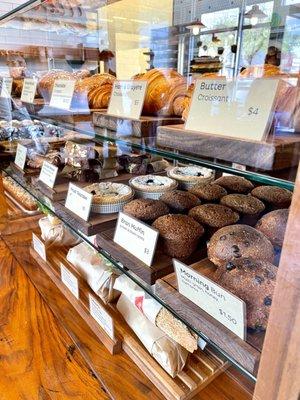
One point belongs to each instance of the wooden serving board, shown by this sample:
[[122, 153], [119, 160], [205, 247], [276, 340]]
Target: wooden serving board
[[246, 353], [279, 152], [52, 269], [146, 126]]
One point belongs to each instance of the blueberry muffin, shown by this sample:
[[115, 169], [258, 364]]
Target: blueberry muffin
[[214, 215], [239, 241], [146, 209], [179, 234], [252, 281], [234, 184], [208, 193], [274, 196], [180, 201], [273, 226]]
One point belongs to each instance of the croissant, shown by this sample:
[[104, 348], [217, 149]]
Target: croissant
[[164, 87], [258, 71]]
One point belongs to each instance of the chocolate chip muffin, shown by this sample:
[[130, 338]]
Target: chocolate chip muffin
[[208, 193], [179, 234], [273, 195], [234, 184], [273, 225], [239, 241], [180, 201], [146, 209], [214, 215], [252, 281]]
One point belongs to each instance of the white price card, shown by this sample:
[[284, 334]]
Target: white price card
[[79, 201], [69, 280], [62, 93], [39, 246], [136, 237], [6, 87], [238, 108], [21, 154], [28, 91], [127, 99], [48, 174], [212, 298], [99, 313]]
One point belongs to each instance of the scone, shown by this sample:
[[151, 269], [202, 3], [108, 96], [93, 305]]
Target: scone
[[146, 209], [273, 195], [239, 241], [273, 226], [191, 175], [179, 234], [180, 201], [208, 193], [234, 184]]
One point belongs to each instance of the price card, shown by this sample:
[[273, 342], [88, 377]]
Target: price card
[[39, 247], [21, 154], [6, 87], [79, 201], [127, 99], [69, 280], [238, 108], [28, 91], [48, 174], [102, 317], [212, 298], [62, 93], [136, 237]]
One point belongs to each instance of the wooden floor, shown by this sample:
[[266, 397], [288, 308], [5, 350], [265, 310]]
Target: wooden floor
[[39, 360]]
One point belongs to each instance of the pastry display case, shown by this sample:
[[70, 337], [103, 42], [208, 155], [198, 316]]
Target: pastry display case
[[152, 150]]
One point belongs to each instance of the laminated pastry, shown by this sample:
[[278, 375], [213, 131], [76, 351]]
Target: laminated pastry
[[109, 192], [274, 196], [252, 281], [46, 83], [19, 194], [169, 354], [55, 234], [178, 234], [235, 184], [214, 215], [180, 201], [210, 192], [239, 241], [146, 209], [273, 226], [157, 314], [191, 175], [152, 186], [164, 87], [97, 271]]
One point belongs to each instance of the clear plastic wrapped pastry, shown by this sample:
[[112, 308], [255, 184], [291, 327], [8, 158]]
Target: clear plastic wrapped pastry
[[55, 234]]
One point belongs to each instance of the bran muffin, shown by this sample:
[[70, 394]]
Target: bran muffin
[[274, 196], [214, 215], [253, 281], [146, 209], [180, 201], [239, 241], [249, 207], [273, 226], [234, 184], [208, 193], [179, 234]]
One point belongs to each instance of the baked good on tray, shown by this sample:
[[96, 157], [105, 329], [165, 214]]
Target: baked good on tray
[[273, 225], [214, 215], [273, 195], [146, 209], [19, 194], [152, 186], [191, 175], [180, 201], [210, 192], [253, 281], [179, 234], [239, 241], [234, 184]]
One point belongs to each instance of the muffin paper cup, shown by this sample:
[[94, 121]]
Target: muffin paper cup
[[110, 208]]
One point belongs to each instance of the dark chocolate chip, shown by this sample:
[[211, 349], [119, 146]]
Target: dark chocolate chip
[[150, 181], [267, 301], [230, 266], [235, 248]]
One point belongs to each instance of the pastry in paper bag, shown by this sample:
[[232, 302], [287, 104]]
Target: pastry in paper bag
[[55, 234]]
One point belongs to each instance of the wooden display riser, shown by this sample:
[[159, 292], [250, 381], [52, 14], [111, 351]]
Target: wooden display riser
[[145, 126], [202, 366], [279, 152], [246, 353]]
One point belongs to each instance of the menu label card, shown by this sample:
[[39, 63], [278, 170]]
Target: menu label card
[[39, 247], [212, 298], [102, 317], [21, 154], [240, 108], [127, 99], [48, 174], [28, 91], [6, 87], [136, 237], [62, 93], [69, 280], [79, 201]]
